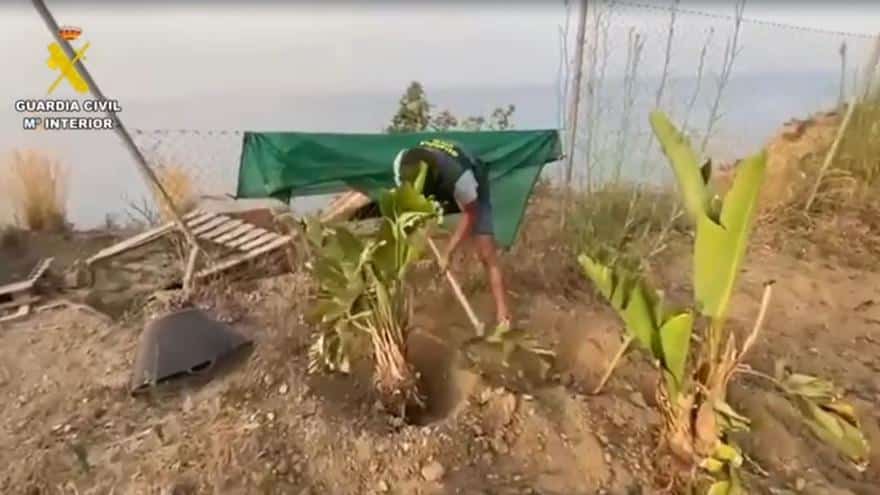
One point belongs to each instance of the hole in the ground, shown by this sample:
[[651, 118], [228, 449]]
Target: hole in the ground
[[443, 381]]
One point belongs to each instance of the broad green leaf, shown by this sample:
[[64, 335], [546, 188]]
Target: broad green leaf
[[719, 249], [729, 418], [407, 199], [329, 274], [621, 286], [349, 244], [638, 315], [719, 488], [629, 296], [600, 274], [712, 465], [662, 311], [419, 184], [845, 411], [675, 341], [314, 231], [846, 438], [736, 485], [728, 453], [809, 386], [387, 204], [684, 162]]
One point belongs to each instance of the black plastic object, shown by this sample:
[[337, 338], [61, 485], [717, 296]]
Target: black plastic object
[[182, 343]]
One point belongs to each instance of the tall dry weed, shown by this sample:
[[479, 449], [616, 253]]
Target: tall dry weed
[[36, 185], [179, 185]]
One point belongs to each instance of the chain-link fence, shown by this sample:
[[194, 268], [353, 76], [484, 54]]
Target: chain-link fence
[[731, 82]]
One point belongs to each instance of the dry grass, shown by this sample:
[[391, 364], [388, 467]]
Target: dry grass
[[36, 185], [624, 224], [841, 221], [179, 184]]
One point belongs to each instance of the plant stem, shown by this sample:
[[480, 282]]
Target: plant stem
[[613, 364], [759, 321], [831, 154]]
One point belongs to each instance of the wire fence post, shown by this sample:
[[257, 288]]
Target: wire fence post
[[869, 78], [573, 118], [139, 159]]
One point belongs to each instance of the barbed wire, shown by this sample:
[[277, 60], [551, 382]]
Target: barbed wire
[[206, 132], [749, 20]]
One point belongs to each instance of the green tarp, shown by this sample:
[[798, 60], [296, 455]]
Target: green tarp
[[289, 164]]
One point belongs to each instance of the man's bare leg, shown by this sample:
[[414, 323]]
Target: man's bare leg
[[487, 252]]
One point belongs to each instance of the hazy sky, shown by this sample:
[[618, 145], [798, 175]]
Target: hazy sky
[[257, 65], [159, 50]]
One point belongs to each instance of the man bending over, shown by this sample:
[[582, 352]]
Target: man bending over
[[455, 177]]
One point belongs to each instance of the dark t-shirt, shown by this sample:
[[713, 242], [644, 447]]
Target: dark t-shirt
[[447, 162]]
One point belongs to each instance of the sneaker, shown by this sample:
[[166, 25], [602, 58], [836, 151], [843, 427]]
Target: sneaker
[[500, 329]]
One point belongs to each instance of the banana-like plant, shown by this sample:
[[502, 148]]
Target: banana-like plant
[[363, 292], [693, 393]]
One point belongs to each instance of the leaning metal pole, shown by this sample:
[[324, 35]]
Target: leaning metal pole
[[573, 118], [139, 159]]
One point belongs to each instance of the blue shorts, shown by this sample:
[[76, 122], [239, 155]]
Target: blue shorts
[[484, 225]]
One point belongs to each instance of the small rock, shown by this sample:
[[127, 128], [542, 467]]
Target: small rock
[[283, 467], [800, 484], [607, 457], [270, 416], [499, 446], [433, 471], [283, 389], [382, 487]]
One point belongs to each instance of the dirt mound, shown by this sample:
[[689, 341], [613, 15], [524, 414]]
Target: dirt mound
[[791, 155]]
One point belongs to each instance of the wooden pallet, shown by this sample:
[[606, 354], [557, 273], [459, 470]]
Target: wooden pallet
[[243, 241], [19, 296]]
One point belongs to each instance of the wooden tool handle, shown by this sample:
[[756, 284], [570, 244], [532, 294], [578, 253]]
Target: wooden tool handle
[[478, 325]]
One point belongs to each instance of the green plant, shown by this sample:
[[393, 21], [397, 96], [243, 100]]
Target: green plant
[[693, 391], [414, 114], [363, 292]]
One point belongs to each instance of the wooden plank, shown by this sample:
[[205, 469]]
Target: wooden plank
[[267, 237], [132, 243], [253, 234], [40, 269], [22, 312], [242, 229], [193, 219], [201, 219], [213, 223], [344, 206], [243, 257], [194, 213], [226, 227], [28, 299], [36, 273]]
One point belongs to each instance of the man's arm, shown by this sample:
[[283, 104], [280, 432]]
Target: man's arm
[[466, 197]]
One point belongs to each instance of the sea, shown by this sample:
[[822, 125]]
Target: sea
[[202, 132]]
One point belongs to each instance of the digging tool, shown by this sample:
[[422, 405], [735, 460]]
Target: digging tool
[[459, 294]]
